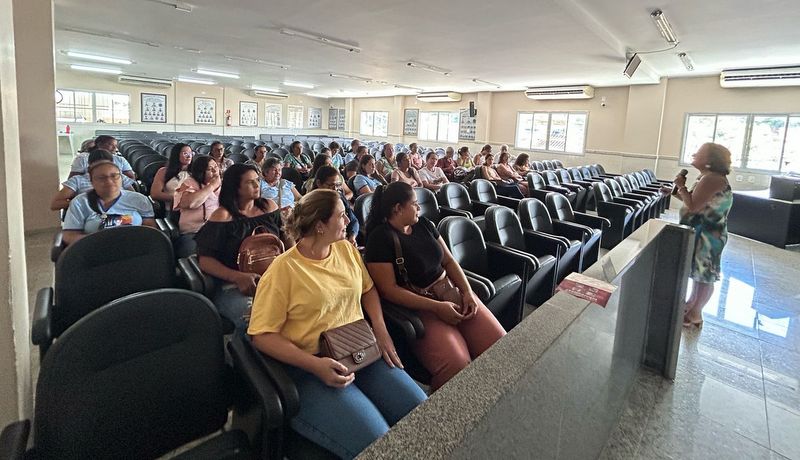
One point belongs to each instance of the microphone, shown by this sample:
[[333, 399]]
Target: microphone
[[682, 173]]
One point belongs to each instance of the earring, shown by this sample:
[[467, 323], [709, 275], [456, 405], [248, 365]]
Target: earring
[[708, 166]]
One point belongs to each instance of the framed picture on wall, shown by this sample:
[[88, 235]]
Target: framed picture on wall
[[205, 111], [154, 108], [410, 120], [341, 120], [248, 113], [333, 118], [314, 118], [272, 117]]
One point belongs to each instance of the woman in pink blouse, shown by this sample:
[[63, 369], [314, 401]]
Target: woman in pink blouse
[[196, 198], [507, 173], [404, 172]]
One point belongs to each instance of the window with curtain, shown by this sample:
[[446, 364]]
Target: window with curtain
[[438, 126], [563, 132], [93, 107]]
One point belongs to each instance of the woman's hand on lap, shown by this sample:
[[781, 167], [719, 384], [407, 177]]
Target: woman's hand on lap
[[388, 350], [332, 373], [247, 282], [449, 313], [470, 303]]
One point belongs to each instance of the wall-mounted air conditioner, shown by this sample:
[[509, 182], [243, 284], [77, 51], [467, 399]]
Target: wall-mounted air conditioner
[[275, 94], [766, 76], [144, 81], [560, 92], [440, 96]]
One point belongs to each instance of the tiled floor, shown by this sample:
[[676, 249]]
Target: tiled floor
[[737, 390]]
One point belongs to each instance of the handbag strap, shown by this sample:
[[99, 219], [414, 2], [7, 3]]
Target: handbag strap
[[398, 257]]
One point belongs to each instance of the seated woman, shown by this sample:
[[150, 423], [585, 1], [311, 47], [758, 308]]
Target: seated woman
[[367, 178], [336, 155], [196, 199], [414, 156], [218, 154], [480, 157], [522, 165], [447, 163], [297, 159], [281, 191], [259, 154], [457, 330], [241, 210], [76, 185], [350, 170], [319, 161], [405, 173], [507, 173], [168, 178], [432, 176], [329, 178], [503, 187], [388, 163], [106, 205], [464, 159], [321, 284]]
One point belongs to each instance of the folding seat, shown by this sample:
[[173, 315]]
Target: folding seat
[[535, 218], [148, 172], [429, 206], [643, 206], [592, 227], [554, 179], [538, 188], [499, 271], [621, 215], [455, 197], [237, 142], [639, 183], [503, 228], [317, 147], [140, 377]]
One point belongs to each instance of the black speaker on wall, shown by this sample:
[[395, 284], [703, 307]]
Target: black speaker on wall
[[472, 110]]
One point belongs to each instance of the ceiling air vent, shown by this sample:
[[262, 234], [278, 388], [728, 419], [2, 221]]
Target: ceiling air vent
[[766, 76], [560, 92], [144, 81], [441, 96]]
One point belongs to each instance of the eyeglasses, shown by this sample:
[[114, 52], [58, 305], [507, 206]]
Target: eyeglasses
[[114, 177], [335, 185]]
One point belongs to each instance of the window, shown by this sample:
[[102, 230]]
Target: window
[[438, 126], [764, 142], [551, 131], [374, 124], [88, 107], [295, 116]]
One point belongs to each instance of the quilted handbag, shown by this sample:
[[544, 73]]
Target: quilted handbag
[[354, 345]]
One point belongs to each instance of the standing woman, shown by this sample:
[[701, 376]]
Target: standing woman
[[507, 173], [457, 330], [404, 172], [388, 163], [196, 199], [367, 178], [241, 210], [168, 178], [705, 208], [318, 285]]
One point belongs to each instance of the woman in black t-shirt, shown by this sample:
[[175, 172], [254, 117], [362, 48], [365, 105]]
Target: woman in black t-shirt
[[455, 332], [241, 210]]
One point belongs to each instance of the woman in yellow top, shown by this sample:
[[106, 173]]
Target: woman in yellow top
[[320, 284]]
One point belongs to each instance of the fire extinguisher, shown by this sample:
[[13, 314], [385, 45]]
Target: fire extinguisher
[[228, 120]]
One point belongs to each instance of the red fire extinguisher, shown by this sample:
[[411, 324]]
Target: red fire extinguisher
[[228, 119]]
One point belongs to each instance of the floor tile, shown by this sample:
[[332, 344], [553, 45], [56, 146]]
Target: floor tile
[[781, 376], [784, 431]]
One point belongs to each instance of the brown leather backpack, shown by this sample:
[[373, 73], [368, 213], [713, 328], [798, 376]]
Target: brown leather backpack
[[258, 250]]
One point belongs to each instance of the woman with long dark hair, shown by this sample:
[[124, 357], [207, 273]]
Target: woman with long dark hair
[[368, 177], [196, 199], [168, 178], [241, 210], [404, 172], [457, 328]]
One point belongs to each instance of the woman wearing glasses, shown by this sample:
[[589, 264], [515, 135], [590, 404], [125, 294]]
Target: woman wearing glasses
[[107, 205], [328, 177]]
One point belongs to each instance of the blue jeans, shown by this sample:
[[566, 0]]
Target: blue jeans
[[185, 245], [346, 420], [232, 304]]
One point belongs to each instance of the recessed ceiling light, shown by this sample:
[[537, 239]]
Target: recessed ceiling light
[[298, 84], [95, 69], [196, 81], [92, 57], [215, 73]]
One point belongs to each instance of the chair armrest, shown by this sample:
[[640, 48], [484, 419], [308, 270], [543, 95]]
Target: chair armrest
[[558, 189], [628, 202], [542, 243], [257, 383], [504, 261], [584, 184], [58, 246], [592, 221], [508, 202], [138, 186], [168, 228], [41, 324], [272, 368], [405, 320], [540, 195], [480, 284], [191, 277], [637, 196], [447, 211], [14, 439], [613, 210], [192, 265], [479, 207], [570, 230], [572, 187]]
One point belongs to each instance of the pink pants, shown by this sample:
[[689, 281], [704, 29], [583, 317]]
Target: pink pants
[[446, 349]]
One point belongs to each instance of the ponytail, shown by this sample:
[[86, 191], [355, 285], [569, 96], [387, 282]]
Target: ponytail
[[376, 216], [384, 199]]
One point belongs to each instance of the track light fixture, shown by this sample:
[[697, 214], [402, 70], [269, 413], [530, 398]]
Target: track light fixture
[[664, 27], [429, 68], [687, 61]]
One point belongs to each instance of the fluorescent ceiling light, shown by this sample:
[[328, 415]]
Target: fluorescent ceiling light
[[95, 69], [256, 61], [196, 81], [352, 47], [664, 27], [439, 96], [298, 85], [687, 61], [351, 77], [215, 73], [92, 57], [98, 33], [478, 81], [264, 88], [408, 87], [429, 68], [317, 95]]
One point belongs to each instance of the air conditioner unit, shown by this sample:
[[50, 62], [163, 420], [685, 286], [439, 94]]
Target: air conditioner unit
[[276, 94], [441, 96], [144, 81], [766, 76], [560, 92]]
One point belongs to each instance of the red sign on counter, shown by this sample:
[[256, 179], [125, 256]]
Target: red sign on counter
[[584, 287]]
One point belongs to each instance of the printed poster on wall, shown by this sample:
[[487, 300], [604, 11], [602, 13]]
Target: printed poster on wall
[[466, 126], [314, 118], [272, 118], [154, 108], [340, 125], [205, 111], [333, 118], [248, 113], [410, 122]]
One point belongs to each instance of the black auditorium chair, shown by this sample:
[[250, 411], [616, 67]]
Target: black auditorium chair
[[579, 201], [566, 178], [601, 171], [204, 149], [558, 164], [293, 176], [621, 215], [235, 148], [593, 227], [644, 207], [96, 269], [578, 175], [548, 165], [482, 191], [650, 179], [143, 376], [639, 183], [537, 188], [499, 270], [429, 206], [503, 228], [454, 197], [535, 218], [238, 158], [361, 208], [655, 205]]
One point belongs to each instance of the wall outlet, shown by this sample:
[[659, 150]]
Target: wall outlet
[[739, 178], [751, 179]]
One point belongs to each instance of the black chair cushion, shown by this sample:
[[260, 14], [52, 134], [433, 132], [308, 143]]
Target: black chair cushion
[[230, 445]]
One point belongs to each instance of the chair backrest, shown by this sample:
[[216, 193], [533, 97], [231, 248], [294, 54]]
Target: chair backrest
[[551, 178], [351, 184], [361, 207], [614, 187], [136, 378], [204, 149], [538, 165], [465, 241], [651, 175], [237, 142], [280, 151], [503, 227], [235, 148], [535, 181], [564, 176], [600, 168], [602, 192], [249, 145], [576, 174], [273, 154], [238, 158], [150, 170], [558, 164], [428, 205], [455, 196], [293, 176], [625, 184], [482, 190], [548, 164], [559, 207], [107, 265], [140, 161], [533, 215], [640, 177], [249, 153]]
